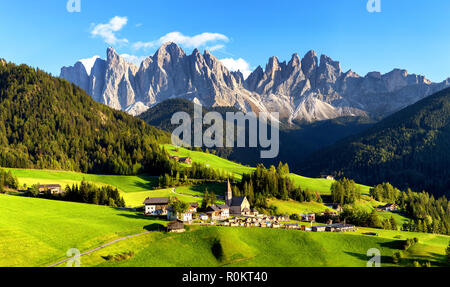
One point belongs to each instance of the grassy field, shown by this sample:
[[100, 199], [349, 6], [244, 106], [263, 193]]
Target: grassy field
[[295, 207], [38, 232], [259, 247], [211, 160], [136, 199], [314, 184], [123, 183]]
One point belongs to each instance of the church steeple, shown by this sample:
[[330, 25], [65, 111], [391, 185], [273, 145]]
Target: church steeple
[[228, 194]]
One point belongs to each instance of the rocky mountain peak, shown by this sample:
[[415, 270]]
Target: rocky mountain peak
[[309, 63], [325, 60], [302, 89], [295, 61], [168, 52]]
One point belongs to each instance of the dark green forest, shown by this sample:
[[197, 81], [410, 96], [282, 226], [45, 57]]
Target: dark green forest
[[265, 183], [410, 149], [45, 122]]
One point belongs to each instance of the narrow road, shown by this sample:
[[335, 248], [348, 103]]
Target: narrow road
[[194, 196], [188, 195], [98, 248]]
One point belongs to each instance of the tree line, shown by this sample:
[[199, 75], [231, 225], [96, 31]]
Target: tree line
[[7, 181], [428, 214], [274, 182], [84, 193]]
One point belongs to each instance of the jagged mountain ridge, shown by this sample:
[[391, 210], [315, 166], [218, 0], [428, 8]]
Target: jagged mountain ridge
[[301, 90]]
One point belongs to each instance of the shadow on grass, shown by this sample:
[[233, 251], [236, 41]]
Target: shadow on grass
[[139, 215], [436, 260], [151, 182], [364, 257], [155, 227], [217, 188]]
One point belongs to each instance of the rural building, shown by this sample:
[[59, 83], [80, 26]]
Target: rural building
[[319, 228], [203, 217], [193, 207], [175, 226], [218, 212], [329, 177], [185, 217], [339, 227], [311, 217], [52, 188], [156, 205], [389, 207], [239, 205], [335, 206], [185, 160], [291, 226]]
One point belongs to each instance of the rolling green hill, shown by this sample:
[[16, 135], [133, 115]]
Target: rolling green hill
[[408, 149], [315, 184], [259, 247], [38, 232]]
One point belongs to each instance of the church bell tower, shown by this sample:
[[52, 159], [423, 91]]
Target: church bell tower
[[228, 194]]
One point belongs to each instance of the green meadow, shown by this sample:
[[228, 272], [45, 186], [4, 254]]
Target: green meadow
[[38, 232], [123, 183], [211, 160], [314, 184], [258, 247]]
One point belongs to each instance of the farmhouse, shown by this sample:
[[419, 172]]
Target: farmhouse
[[291, 226], [185, 160], [193, 207], [156, 205], [389, 207], [339, 227], [329, 177], [311, 217], [239, 205], [218, 212], [175, 226], [185, 217], [52, 188]]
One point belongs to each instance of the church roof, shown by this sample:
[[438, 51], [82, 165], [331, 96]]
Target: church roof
[[237, 200]]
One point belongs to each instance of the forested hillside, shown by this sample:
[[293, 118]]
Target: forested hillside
[[45, 122], [409, 149]]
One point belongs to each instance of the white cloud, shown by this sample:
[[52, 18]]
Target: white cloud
[[237, 65], [137, 60], [107, 31], [195, 41], [215, 47]]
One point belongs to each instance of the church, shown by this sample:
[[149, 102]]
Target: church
[[239, 205]]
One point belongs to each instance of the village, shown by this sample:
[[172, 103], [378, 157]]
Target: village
[[236, 212]]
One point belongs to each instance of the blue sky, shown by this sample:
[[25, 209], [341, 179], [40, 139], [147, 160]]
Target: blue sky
[[409, 34]]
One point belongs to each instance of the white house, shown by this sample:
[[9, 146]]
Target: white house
[[203, 217], [156, 205], [185, 217]]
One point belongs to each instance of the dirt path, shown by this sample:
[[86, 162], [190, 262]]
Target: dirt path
[[98, 248], [188, 195]]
